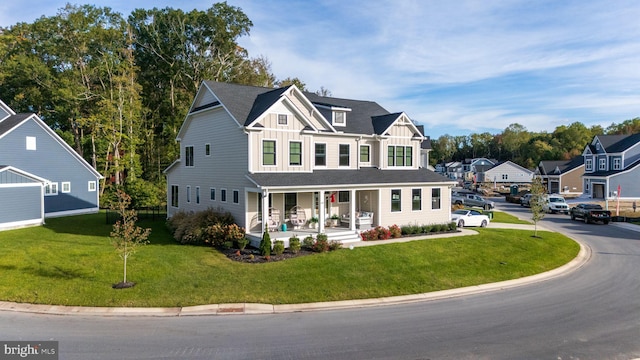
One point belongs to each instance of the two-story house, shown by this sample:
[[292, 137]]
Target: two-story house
[[562, 176], [264, 153], [40, 175], [612, 162]]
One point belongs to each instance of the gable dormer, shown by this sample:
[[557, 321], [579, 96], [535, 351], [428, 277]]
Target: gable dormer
[[5, 111]]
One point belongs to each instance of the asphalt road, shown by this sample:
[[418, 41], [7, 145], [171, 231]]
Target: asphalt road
[[591, 313]]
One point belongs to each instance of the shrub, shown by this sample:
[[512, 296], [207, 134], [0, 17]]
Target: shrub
[[294, 244], [307, 243], [321, 244], [406, 230], [369, 235], [453, 226], [383, 233], [426, 229], [242, 243], [265, 244], [334, 245], [192, 228], [395, 231], [227, 245], [278, 247]]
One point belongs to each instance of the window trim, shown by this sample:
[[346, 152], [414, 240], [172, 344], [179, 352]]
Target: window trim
[[175, 196], [602, 164], [368, 146], [197, 194], [51, 189], [92, 186], [188, 156], [334, 118], [31, 143], [588, 164], [235, 196], [398, 201], [315, 154], [439, 198], [286, 120], [275, 152], [188, 194], [207, 149], [340, 155], [617, 164], [65, 187], [342, 193], [413, 200], [407, 156], [223, 195], [290, 153], [212, 194]]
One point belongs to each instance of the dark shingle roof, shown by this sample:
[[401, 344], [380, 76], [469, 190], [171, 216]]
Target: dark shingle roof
[[245, 103], [363, 176], [563, 165], [12, 121], [618, 143]]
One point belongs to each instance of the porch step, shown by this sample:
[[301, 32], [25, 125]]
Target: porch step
[[345, 237]]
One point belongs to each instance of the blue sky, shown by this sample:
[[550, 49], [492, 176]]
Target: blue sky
[[457, 67]]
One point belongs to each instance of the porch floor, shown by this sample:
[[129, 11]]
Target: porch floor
[[338, 233]]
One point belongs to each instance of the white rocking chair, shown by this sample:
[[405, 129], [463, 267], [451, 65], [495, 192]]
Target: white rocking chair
[[297, 217]]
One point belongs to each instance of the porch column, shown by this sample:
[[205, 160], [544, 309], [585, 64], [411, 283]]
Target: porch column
[[264, 197], [321, 216], [352, 210]]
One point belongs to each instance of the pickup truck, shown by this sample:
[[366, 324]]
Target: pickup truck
[[590, 213], [470, 199]]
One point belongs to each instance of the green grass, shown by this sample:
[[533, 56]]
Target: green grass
[[503, 217], [70, 261]]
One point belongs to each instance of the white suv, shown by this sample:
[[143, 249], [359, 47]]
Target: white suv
[[555, 204]]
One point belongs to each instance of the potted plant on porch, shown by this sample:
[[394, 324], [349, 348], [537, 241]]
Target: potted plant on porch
[[313, 222], [334, 220]]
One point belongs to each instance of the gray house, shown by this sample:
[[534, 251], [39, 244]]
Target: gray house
[[31, 156], [612, 167]]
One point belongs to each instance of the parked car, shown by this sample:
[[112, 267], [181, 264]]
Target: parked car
[[471, 200], [590, 213], [525, 200], [469, 218], [555, 204]]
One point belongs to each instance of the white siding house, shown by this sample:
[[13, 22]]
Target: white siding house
[[509, 172]]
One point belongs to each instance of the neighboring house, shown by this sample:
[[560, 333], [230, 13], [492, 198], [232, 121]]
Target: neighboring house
[[562, 176], [474, 169], [612, 162], [508, 172], [32, 155], [260, 153], [425, 149]]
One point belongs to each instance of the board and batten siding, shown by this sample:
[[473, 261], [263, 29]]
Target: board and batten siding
[[54, 162], [225, 167]]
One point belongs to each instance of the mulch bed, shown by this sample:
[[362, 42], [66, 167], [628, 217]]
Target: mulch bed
[[253, 256]]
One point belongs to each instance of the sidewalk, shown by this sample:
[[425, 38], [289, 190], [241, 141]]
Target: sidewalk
[[251, 308]]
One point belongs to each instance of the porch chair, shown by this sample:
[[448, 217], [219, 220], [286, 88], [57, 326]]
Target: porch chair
[[274, 219], [297, 217]]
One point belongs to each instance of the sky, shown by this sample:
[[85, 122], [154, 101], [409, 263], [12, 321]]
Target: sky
[[456, 67]]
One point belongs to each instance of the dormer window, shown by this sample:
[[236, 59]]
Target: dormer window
[[339, 118]]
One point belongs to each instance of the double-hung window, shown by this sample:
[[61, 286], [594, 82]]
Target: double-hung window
[[51, 189], [365, 155], [295, 153], [435, 198], [416, 199], [320, 154], [268, 152], [399, 155], [396, 202], [174, 196], [344, 154], [188, 156], [617, 164], [588, 164], [602, 164]]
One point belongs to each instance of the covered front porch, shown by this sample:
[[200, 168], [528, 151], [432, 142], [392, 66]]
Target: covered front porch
[[302, 212]]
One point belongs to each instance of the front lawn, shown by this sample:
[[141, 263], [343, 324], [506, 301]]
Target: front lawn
[[70, 261]]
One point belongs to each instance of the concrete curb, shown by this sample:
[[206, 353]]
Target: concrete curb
[[253, 309]]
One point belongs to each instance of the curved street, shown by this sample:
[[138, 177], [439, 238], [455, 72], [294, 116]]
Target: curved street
[[591, 313]]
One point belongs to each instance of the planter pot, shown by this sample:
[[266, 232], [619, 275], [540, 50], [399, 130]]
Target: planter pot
[[313, 225], [334, 222]]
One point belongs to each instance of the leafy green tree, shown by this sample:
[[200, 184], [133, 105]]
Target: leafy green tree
[[292, 81], [537, 201], [126, 236]]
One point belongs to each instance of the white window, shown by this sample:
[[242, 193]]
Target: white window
[[31, 142], [588, 164], [51, 189], [223, 195], [617, 164], [602, 164], [212, 194], [282, 119], [188, 155], [92, 186], [339, 118], [365, 154], [66, 187], [505, 177]]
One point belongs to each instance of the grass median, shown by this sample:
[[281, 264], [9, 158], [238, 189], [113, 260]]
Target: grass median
[[70, 261]]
